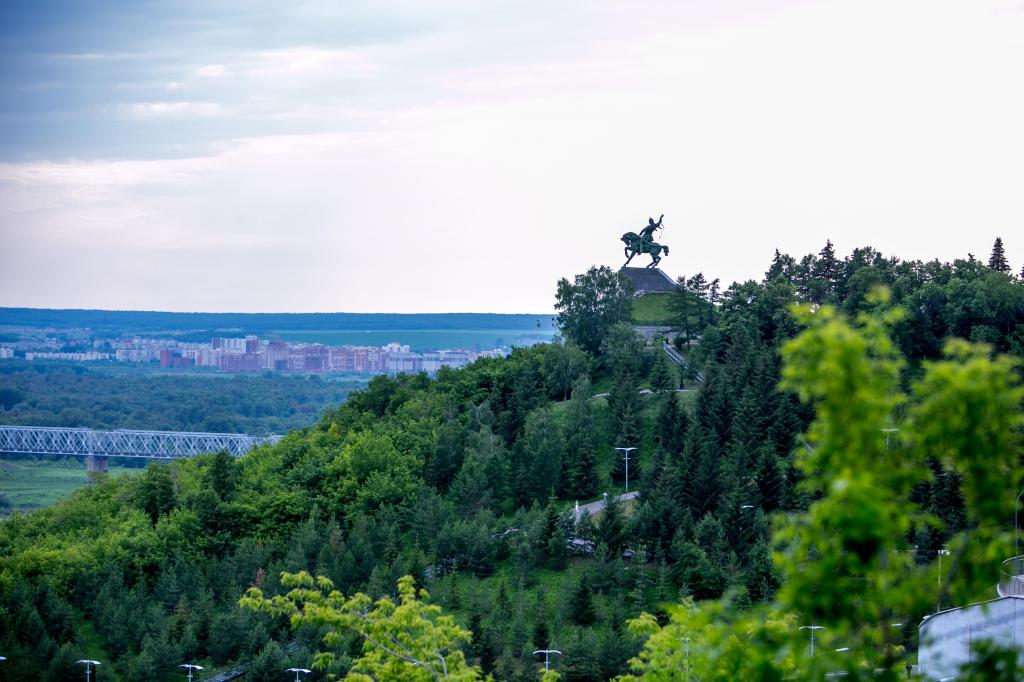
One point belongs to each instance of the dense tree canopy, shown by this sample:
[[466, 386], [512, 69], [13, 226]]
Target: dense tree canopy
[[468, 482]]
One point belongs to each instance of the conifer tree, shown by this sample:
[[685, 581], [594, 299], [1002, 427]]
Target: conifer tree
[[670, 426], [997, 261], [581, 606], [541, 633], [770, 480], [762, 577], [663, 377], [579, 477], [825, 273], [706, 486]]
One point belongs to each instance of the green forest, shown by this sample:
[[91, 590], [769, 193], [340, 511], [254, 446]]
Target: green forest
[[836, 424], [60, 394]]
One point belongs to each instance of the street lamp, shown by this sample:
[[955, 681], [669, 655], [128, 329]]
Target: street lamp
[[938, 602], [887, 432], [89, 663], [547, 654], [812, 628], [190, 667], [1016, 506], [304, 671], [627, 451]]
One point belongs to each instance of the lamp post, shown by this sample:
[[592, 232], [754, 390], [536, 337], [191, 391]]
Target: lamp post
[[547, 655], [687, 640], [89, 663], [1016, 506], [812, 628], [626, 451], [938, 600], [887, 432], [303, 671], [190, 667]]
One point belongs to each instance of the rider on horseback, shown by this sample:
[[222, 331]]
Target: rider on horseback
[[644, 243], [647, 234]]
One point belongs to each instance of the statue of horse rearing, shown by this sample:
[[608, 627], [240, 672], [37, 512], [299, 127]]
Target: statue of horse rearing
[[644, 243]]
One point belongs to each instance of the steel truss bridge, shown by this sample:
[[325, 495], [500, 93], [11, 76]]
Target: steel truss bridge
[[44, 440]]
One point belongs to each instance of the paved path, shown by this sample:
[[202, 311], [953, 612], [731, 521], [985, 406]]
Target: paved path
[[592, 508]]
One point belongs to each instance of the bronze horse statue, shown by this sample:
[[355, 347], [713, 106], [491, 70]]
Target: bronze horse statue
[[644, 243]]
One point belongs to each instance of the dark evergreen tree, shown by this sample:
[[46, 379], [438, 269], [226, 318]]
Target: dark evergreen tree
[[706, 487], [825, 274], [581, 605], [762, 578], [579, 477], [447, 455], [670, 426], [541, 632], [663, 377], [611, 529], [539, 451], [997, 261], [771, 482]]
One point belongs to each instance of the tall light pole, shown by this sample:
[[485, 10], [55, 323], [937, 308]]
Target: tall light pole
[[304, 671], [89, 663], [627, 451], [687, 640], [887, 432], [1016, 506], [938, 600], [812, 628], [547, 654], [190, 667]]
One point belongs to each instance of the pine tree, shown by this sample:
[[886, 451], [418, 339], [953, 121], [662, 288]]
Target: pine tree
[[706, 486], [762, 578], [611, 529], [581, 606], [770, 480], [541, 632], [670, 427], [663, 377], [579, 478], [997, 261], [825, 273]]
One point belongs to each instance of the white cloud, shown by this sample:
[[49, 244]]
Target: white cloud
[[171, 110], [867, 121], [212, 71]]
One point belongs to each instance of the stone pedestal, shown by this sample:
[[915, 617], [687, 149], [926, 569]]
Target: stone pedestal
[[649, 280]]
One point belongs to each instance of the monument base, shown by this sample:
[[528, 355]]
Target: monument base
[[649, 281]]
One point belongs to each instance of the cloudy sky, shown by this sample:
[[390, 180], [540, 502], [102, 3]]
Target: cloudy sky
[[462, 155]]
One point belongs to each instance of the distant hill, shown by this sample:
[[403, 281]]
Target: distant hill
[[332, 327]]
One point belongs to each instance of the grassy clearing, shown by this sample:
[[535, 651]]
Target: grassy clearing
[[30, 484], [652, 309]]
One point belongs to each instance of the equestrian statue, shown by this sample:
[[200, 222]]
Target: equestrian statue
[[644, 243]]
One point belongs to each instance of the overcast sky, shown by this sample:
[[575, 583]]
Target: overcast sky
[[463, 155]]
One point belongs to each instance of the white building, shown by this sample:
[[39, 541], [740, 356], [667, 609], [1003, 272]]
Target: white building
[[947, 637]]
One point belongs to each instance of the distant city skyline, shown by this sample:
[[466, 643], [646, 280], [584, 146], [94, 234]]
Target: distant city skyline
[[398, 156]]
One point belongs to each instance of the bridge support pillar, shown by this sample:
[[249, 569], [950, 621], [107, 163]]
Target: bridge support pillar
[[95, 464]]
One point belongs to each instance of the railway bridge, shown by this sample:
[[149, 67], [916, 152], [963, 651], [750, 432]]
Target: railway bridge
[[97, 446]]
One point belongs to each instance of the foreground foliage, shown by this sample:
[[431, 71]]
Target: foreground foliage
[[849, 562]]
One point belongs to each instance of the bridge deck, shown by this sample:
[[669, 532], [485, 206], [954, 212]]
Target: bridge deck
[[45, 440]]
